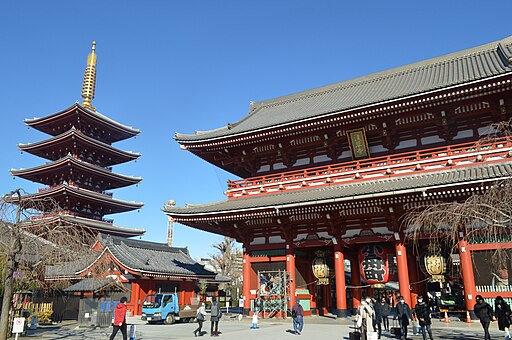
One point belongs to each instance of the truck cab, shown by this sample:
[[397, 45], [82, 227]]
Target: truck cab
[[165, 307]]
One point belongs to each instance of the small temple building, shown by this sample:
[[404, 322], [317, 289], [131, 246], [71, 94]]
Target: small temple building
[[79, 176], [327, 175], [141, 267]]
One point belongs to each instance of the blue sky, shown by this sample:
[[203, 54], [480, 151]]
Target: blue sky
[[168, 66]]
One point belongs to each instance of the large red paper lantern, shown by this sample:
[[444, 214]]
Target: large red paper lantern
[[374, 264]]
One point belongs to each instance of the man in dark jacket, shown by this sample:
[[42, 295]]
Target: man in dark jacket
[[215, 315], [502, 313], [386, 308], [483, 311], [377, 318], [422, 311], [403, 313], [119, 322]]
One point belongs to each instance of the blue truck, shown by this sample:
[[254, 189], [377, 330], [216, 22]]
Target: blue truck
[[166, 308]]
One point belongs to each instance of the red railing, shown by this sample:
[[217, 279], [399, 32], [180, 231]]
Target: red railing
[[433, 158]]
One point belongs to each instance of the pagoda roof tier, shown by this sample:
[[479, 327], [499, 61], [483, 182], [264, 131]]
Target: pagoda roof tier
[[66, 194], [75, 142], [278, 115], [95, 225], [345, 194], [83, 118], [51, 173]]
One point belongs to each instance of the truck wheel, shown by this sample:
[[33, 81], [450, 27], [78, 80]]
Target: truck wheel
[[169, 320]]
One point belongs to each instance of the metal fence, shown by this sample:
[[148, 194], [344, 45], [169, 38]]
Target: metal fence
[[95, 313]]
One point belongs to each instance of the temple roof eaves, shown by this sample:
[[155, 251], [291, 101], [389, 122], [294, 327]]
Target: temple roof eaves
[[74, 132], [416, 183], [92, 113], [78, 162], [64, 187]]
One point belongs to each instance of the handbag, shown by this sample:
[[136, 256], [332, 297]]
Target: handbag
[[200, 316]]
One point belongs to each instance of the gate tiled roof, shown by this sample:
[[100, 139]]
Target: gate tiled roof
[[473, 64]]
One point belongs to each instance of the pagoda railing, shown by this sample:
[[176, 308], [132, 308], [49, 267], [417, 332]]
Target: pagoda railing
[[386, 166]]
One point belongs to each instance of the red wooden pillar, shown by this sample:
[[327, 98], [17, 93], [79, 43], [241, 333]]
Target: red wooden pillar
[[356, 282], [135, 298], [468, 276], [414, 277], [403, 272], [290, 267], [181, 293], [246, 284], [339, 274]]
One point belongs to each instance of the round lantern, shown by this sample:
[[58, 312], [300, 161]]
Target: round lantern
[[434, 263], [320, 268], [374, 264]]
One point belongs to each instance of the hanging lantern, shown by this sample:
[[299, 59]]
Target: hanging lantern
[[434, 263], [320, 268], [374, 264]]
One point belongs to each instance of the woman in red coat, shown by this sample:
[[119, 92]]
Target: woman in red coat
[[119, 322]]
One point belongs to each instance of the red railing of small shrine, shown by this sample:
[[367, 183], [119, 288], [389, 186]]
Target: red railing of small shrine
[[373, 168]]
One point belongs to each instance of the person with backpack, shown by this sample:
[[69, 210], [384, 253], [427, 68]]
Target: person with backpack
[[215, 315], [483, 311], [200, 317], [298, 317], [422, 311], [119, 322]]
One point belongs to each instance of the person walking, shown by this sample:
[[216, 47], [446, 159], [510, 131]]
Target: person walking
[[386, 308], [200, 317], [119, 322], [403, 314], [422, 311], [298, 317], [365, 316], [502, 313], [377, 317], [483, 311], [215, 315]]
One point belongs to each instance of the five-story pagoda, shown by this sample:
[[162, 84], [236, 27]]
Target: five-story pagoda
[[81, 157]]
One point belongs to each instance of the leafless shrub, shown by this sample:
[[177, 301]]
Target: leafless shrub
[[29, 243], [486, 215]]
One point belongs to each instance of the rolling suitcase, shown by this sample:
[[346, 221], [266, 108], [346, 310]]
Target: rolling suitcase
[[395, 329], [356, 335]]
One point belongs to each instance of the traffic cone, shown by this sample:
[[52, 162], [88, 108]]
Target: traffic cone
[[468, 318], [446, 317]]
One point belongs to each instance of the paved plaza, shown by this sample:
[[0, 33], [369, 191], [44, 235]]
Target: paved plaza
[[316, 327]]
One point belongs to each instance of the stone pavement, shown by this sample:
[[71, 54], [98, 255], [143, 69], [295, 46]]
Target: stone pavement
[[316, 328]]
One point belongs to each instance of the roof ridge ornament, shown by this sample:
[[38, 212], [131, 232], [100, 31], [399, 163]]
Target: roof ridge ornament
[[89, 83]]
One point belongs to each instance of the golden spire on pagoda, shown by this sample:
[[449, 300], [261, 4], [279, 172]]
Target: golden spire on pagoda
[[89, 78]]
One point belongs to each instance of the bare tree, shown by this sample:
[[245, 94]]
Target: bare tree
[[28, 243], [487, 214], [226, 259]]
